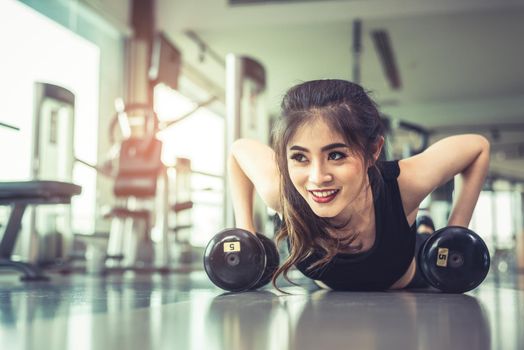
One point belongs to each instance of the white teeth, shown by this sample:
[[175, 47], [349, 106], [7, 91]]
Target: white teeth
[[323, 193]]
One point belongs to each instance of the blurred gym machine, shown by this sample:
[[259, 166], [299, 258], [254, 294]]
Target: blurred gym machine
[[138, 164], [47, 237], [246, 117], [140, 178], [144, 198], [404, 139]]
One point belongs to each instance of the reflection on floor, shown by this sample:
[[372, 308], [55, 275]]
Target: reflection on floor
[[187, 312]]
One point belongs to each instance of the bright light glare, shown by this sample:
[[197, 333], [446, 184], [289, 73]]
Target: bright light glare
[[199, 138]]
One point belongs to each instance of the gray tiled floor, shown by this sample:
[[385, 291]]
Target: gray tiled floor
[[187, 312]]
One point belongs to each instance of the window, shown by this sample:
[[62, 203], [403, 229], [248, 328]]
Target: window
[[493, 217], [200, 138], [38, 49]]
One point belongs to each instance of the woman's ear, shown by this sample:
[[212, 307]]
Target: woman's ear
[[378, 148]]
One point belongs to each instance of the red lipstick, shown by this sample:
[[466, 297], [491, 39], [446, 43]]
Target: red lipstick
[[324, 199]]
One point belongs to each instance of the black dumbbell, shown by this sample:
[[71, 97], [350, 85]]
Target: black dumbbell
[[454, 259], [236, 260]]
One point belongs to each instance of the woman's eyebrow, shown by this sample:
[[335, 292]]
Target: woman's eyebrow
[[323, 149]]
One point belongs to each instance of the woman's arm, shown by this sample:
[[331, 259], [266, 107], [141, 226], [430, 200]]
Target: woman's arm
[[252, 166], [467, 155]]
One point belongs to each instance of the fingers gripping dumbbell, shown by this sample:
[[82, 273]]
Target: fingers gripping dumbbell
[[237, 260], [454, 259]]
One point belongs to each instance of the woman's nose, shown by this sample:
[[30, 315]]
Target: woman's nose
[[318, 174]]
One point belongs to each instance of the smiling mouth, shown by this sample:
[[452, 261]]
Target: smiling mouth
[[324, 196]]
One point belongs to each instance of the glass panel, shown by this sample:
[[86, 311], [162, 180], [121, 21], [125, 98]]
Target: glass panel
[[481, 221], [504, 221], [200, 138]]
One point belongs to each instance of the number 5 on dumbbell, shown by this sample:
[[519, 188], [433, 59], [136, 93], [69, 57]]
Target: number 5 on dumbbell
[[231, 247]]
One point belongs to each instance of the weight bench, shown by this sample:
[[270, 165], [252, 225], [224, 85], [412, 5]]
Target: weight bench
[[19, 195]]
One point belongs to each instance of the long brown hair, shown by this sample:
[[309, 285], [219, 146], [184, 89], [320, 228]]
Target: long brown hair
[[346, 108]]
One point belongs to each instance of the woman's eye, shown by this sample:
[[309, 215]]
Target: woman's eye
[[298, 157], [336, 156]]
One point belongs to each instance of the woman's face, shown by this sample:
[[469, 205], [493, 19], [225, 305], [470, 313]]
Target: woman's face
[[325, 171]]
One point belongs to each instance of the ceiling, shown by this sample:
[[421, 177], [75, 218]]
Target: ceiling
[[459, 60]]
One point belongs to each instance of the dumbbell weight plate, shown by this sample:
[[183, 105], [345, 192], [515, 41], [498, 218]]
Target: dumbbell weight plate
[[454, 259], [272, 260], [235, 260]]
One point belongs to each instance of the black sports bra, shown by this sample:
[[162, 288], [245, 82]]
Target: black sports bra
[[391, 254]]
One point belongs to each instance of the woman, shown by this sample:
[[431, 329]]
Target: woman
[[348, 217]]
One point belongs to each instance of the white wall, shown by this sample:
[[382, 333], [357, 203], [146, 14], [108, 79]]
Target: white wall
[[34, 48]]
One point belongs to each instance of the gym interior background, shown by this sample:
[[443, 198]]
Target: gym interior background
[[84, 81]]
